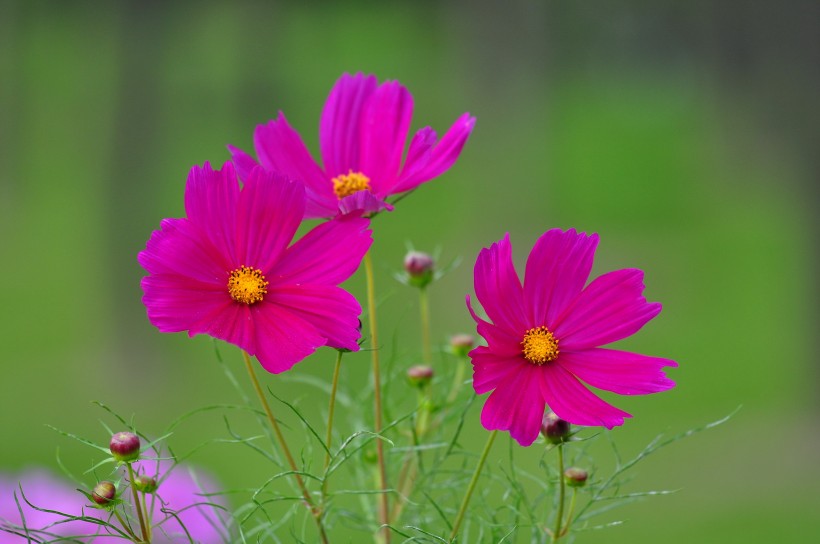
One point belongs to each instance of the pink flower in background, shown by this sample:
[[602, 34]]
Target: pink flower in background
[[544, 336], [45, 492], [362, 136], [227, 271], [184, 491]]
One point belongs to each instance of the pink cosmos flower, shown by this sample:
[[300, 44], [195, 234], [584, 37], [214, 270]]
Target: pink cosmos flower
[[544, 336], [227, 271], [362, 135], [183, 491]]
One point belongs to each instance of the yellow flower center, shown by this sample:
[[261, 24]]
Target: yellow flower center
[[352, 182], [540, 346], [247, 285]]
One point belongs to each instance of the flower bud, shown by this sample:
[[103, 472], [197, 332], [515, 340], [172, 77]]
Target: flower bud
[[461, 344], [555, 429], [419, 375], [144, 483], [419, 267], [575, 477], [104, 492], [125, 447]]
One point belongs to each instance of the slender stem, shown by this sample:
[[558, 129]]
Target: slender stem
[[561, 490], [137, 506], [384, 507], [565, 530], [147, 515], [458, 379], [126, 527], [317, 515], [424, 310], [471, 486], [332, 406]]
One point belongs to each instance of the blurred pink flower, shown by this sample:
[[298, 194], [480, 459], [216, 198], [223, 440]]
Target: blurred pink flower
[[362, 136], [45, 492], [545, 335], [182, 494], [227, 271]]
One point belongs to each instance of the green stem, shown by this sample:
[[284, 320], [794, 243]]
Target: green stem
[[317, 515], [565, 530], [147, 515], [424, 310], [126, 527], [458, 379], [561, 491], [384, 506], [137, 506], [471, 486], [332, 406]]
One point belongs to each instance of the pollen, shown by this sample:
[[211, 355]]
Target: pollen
[[352, 182], [539, 346], [247, 285]]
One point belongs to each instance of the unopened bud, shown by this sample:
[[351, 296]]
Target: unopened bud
[[419, 267], [144, 483], [461, 344], [419, 375], [125, 447], [104, 492], [575, 477], [555, 429]]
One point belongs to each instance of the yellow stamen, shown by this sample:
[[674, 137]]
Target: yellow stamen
[[247, 285], [352, 182], [540, 346]]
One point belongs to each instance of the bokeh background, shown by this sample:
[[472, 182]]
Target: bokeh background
[[684, 133]]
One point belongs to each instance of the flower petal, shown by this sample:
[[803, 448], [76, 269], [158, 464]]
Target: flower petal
[[269, 212], [385, 122], [490, 369], [179, 247], [210, 203], [557, 270], [573, 402], [363, 203], [500, 341], [176, 303], [612, 307], [280, 149], [328, 254], [332, 311], [621, 372], [243, 163], [498, 288], [340, 125], [516, 406], [441, 156], [282, 337]]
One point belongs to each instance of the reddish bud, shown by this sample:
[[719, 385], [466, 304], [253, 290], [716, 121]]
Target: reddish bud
[[575, 477], [555, 429], [419, 267], [144, 483], [125, 447], [419, 375], [104, 492], [461, 344]]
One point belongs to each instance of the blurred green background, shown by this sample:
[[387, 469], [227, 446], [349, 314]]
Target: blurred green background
[[684, 133]]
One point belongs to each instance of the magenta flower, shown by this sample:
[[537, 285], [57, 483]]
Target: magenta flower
[[545, 335], [362, 136], [227, 271]]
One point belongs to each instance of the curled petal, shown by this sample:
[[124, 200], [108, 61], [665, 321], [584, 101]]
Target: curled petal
[[362, 203], [242, 162]]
